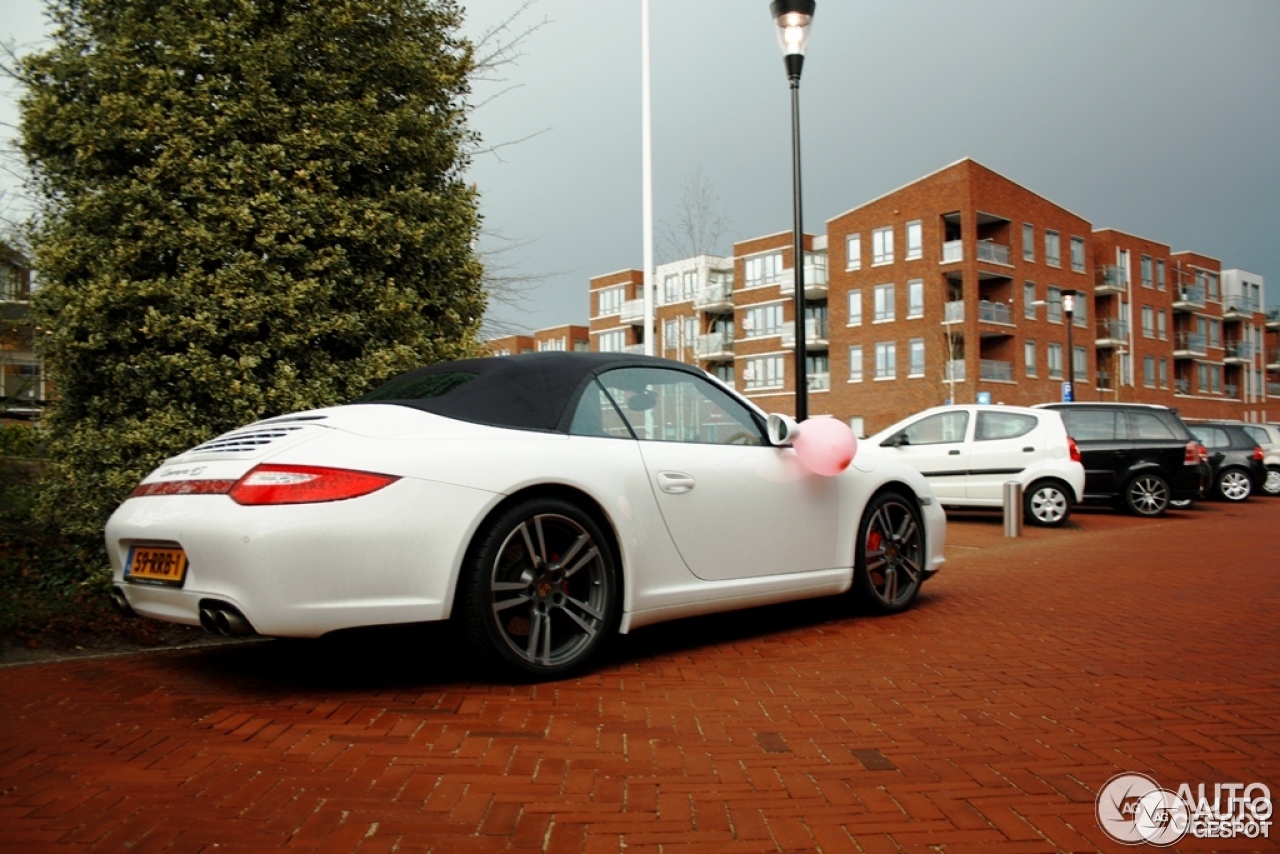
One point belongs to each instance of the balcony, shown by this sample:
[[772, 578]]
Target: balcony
[[1188, 345], [815, 280], [714, 346], [633, 312], [1238, 352], [1188, 299], [952, 251], [1273, 389], [1238, 308], [819, 382], [634, 349], [815, 334], [955, 370], [1231, 390], [1104, 380], [994, 312], [1273, 318], [1111, 279], [953, 312], [1182, 386], [996, 253], [991, 369], [1111, 332], [717, 297], [1273, 360]]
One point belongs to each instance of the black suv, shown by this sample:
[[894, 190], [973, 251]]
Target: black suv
[[1138, 456], [1235, 458]]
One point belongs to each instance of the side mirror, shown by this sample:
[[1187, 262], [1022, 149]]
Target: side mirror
[[782, 429]]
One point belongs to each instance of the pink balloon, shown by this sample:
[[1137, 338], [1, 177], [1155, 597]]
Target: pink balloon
[[825, 445]]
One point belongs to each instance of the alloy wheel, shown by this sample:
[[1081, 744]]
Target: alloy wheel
[[1234, 485], [1148, 495], [892, 552]]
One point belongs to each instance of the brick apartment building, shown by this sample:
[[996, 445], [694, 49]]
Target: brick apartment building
[[567, 337], [955, 288], [22, 385]]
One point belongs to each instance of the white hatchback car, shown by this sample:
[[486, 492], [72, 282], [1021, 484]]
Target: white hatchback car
[[967, 453], [1268, 438]]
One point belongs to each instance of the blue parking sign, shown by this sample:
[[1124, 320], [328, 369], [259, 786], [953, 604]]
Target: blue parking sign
[[1068, 393]]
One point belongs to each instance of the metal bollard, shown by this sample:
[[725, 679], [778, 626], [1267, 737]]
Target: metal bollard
[[1012, 509]]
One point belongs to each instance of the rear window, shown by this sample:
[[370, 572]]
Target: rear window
[[1212, 437], [1149, 426], [417, 387], [1092, 425]]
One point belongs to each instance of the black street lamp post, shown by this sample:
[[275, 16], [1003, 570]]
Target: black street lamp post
[[793, 18], [1068, 310]]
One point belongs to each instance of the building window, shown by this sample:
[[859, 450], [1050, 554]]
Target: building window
[[1055, 361], [609, 301], [1144, 270], [858, 425], [915, 298], [1029, 357], [855, 307], [763, 270], [551, 345], [1215, 333], [688, 284], [855, 363], [1080, 368], [1080, 310], [915, 240], [1213, 287], [1149, 371], [1029, 300], [882, 246], [915, 352], [853, 252], [1052, 250], [670, 289], [1164, 373], [1160, 273], [818, 372], [763, 372], [886, 360], [762, 320], [724, 373], [1161, 329], [611, 342], [1028, 242], [1148, 322], [1053, 303], [1077, 254], [883, 303]]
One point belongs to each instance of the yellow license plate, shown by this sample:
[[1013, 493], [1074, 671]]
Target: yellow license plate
[[156, 565]]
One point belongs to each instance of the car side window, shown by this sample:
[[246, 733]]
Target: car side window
[[937, 429], [597, 416], [661, 405], [1148, 426], [1091, 425], [1003, 425], [1212, 437], [1258, 435]]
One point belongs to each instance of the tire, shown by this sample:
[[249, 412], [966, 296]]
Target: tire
[[889, 560], [1047, 503], [1234, 485], [1147, 495], [540, 593], [1271, 486]]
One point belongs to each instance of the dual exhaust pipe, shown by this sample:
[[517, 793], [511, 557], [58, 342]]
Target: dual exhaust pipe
[[216, 618]]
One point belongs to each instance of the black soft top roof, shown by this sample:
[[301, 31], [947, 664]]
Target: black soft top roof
[[532, 391]]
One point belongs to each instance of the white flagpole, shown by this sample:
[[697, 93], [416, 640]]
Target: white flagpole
[[646, 180]]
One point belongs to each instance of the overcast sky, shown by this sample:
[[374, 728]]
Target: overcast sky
[[1156, 117]]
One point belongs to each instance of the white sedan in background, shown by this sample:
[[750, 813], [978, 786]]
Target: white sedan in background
[[968, 453], [543, 502]]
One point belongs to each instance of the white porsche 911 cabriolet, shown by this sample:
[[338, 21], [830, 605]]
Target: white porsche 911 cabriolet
[[544, 502]]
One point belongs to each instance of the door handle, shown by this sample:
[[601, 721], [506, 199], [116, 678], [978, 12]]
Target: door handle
[[953, 453], [675, 482], [1028, 450]]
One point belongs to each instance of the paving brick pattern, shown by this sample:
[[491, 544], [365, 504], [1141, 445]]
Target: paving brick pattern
[[986, 719]]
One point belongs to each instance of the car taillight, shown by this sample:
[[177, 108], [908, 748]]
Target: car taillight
[[1258, 456], [1203, 451], [286, 484], [1073, 449], [1191, 455]]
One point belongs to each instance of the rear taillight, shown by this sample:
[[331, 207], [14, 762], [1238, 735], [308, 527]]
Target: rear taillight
[[1073, 449], [286, 484], [1202, 451], [1258, 456], [1191, 455]]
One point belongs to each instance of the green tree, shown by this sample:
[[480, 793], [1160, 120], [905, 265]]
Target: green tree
[[244, 208]]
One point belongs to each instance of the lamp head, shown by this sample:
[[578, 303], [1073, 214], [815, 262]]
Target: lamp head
[[793, 18]]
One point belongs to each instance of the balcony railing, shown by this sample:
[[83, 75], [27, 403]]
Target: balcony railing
[[633, 311], [715, 296], [994, 312], [953, 312], [819, 382], [1182, 386], [1111, 279], [1112, 329], [634, 349], [1239, 351], [1104, 380], [955, 370], [1273, 360], [815, 333], [952, 250], [1189, 298], [1238, 306], [1273, 389], [996, 253], [1273, 318], [992, 369], [1189, 342], [815, 279], [713, 344], [1231, 390]]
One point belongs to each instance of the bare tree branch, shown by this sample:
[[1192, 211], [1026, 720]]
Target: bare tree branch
[[699, 222]]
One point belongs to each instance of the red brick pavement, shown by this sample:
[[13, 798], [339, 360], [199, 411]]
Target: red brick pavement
[[985, 719]]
